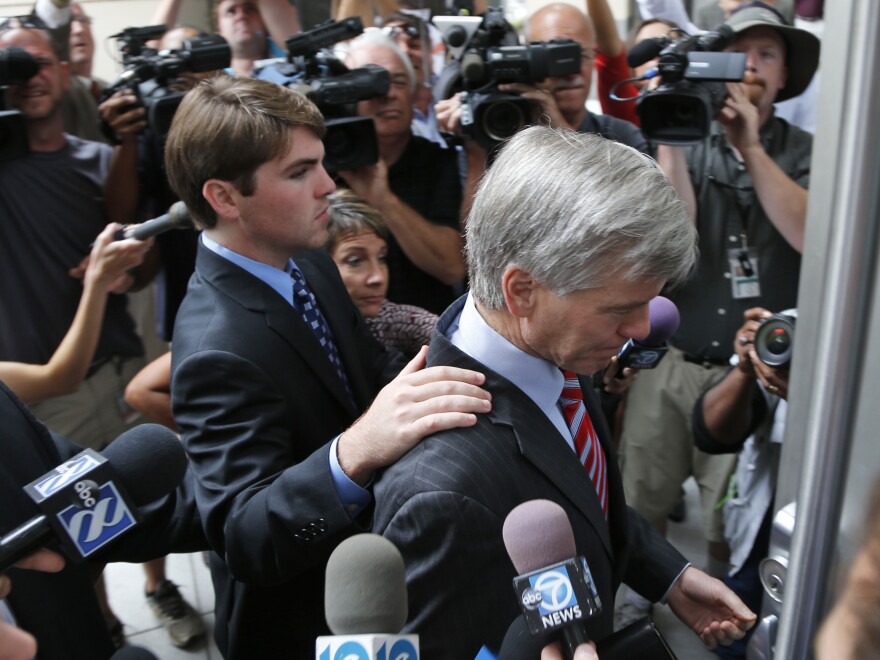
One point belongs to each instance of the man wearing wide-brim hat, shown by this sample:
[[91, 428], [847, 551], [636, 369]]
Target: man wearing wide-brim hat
[[746, 189]]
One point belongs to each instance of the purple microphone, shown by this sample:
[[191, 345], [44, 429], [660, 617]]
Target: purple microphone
[[647, 353]]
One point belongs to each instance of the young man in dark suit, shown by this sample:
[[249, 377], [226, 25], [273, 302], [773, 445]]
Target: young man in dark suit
[[272, 363], [569, 238]]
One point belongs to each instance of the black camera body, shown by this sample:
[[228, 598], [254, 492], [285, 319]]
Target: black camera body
[[311, 69], [774, 339], [151, 74], [490, 56], [692, 87]]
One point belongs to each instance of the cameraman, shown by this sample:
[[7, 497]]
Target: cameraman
[[415, 186], [745, 187], [745, 413]]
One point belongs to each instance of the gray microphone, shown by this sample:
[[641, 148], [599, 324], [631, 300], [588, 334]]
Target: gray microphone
[[177, 217], [365, 601]]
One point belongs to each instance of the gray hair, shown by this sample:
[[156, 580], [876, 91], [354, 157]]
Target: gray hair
[[376, 37], [572, 209]]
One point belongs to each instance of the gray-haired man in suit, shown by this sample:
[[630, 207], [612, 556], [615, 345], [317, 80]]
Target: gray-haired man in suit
[[569, 238]]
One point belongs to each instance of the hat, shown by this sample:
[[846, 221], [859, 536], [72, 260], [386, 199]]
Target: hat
[[802, 47]]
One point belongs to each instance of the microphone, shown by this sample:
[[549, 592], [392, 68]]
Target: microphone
[[365, 602], [647, 353], [646, 50], [91, 499], [554, 588], [177, 218]]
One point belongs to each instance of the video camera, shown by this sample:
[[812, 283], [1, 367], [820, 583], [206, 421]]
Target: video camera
[[17, 66], [692, 84], [150, 74], [486, 54], [311, 69], [774, 339]]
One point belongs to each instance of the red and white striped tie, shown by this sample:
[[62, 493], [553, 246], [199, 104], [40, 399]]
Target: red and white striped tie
[[586, 442]]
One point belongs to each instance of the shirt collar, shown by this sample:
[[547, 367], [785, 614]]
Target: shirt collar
[[277, 279]]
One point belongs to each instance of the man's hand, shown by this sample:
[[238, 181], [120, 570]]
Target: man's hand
[[417, 403], [582, 652], [745, 338], [740, 119], [775, 381], [109, 264], [370, 182], [709, 608], [15, 643], [124, 115], [548, 111], [614, 385]]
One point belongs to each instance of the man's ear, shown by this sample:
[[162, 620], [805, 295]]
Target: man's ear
[[223, 198], [64, 73], [520, 291]]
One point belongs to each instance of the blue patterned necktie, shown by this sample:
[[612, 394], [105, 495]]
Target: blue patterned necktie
[[305, 303]]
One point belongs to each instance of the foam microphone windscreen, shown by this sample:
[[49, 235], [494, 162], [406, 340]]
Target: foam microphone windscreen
[[365, 588], [664, 321], [149, 461], [537, 534]]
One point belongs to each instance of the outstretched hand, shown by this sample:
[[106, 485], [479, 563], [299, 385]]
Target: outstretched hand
[[710, 609], [417, 403]]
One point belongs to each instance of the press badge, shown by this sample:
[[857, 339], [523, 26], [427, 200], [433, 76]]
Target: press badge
[[744, 273]]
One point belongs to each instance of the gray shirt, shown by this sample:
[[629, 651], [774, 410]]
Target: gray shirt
[[51, 210]]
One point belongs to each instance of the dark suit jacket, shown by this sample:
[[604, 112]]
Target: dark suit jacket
[[258, 402], [60, 609], [445, 502]]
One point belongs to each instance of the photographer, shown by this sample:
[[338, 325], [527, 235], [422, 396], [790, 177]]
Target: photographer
[[745, 413], [415, 186], [746, 190]]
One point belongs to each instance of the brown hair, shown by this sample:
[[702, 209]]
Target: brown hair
[[225, 128], [350, 215]]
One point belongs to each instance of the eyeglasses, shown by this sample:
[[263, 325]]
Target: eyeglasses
[[16, 22], [84, 21], [406, 31]]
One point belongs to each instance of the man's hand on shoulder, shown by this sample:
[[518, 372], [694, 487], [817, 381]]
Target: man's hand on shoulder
[[709, 608], [417, 403]]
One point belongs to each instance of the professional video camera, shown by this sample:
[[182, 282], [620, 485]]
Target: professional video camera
[[692, 84], [310, 68], [774, 339], [486, 54], [17, 66], [151, 74]]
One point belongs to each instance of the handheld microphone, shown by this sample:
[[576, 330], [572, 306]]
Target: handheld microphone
[[365, 603], [646, 50], [555, 588], [177, 218], [91, 499], [647, 353]]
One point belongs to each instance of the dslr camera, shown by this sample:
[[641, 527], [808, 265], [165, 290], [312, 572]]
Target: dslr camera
[[486, 53], [17, 66], [311, 69], [692, 84], [774, 340], [151, 74]]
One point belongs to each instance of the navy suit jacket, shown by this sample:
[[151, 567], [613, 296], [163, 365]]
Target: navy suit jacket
[[443, 505], [258, 402]]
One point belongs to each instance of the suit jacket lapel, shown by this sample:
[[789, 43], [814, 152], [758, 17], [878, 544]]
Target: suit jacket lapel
[[539, 440], [281, 317]]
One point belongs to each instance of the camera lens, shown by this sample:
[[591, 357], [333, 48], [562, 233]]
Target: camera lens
[[774, 340], [503, 120]]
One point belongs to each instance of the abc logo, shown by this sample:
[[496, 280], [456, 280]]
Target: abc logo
[[531, 599], [556, 590]]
